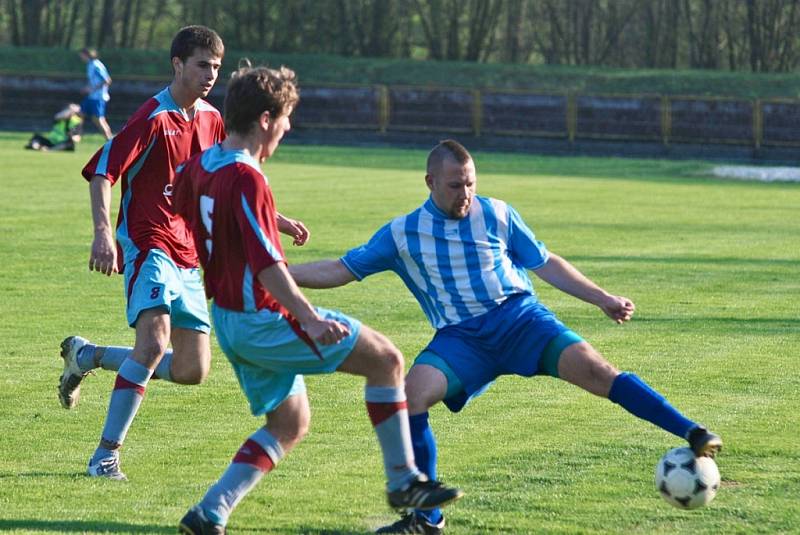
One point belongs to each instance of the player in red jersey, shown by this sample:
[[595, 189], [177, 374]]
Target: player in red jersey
[[165, 298], [267, 329]]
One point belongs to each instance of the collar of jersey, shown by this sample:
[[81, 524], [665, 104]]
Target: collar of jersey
[[433, 209], [167, 103]]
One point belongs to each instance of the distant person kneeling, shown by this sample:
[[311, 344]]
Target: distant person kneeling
[[66, 131]]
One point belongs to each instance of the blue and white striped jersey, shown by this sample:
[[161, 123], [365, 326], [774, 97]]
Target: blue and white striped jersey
[[97, 75], [456, 268]]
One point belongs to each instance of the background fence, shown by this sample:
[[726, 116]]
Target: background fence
[[644, 118]]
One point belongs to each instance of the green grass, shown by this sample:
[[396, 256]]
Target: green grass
[[711, 265], [330, 69]]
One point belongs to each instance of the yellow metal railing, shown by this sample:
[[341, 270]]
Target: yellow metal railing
[[570, 116]]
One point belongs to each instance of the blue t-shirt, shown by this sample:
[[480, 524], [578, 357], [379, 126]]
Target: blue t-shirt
[[456, 268], [97, 75]]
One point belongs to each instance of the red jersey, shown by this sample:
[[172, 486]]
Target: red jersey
[[144, 154], [228, 205]]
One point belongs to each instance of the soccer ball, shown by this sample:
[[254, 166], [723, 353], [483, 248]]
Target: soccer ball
[[686, 481]]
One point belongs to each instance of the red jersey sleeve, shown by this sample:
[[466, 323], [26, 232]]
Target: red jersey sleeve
[[255, 216], [119, 153]]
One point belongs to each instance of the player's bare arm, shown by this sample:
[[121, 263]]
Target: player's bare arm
[[103, 257], [560, 274], [322, 274], [294, 228], [279, 283]]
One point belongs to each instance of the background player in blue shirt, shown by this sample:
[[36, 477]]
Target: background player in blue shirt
[[97, 81], [465, 259]]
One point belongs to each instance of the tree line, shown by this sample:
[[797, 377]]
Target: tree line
[[739, 35]]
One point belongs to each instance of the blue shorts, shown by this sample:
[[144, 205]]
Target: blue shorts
[[93, 107], [268, 357], [509, 340], [153, 280]]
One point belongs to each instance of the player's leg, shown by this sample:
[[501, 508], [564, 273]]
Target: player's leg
[[81, 357], [152, 337], [191, 357], [286, 426], [38, 142], [158, 282], [190, 361], [102, 125], [432, 379], [96, 109], [582, 365], [426, 385], [381, 363]]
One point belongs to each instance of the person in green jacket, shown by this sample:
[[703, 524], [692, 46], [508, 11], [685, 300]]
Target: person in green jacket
[[66, 131]]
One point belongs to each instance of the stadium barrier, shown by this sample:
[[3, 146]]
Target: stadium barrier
[[383, 109]]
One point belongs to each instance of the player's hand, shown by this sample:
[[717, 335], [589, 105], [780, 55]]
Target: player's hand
[[326, 332], [294, 228], [104, 254], [618, 308]]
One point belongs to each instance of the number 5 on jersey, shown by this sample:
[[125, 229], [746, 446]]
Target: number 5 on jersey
[[206, 212]]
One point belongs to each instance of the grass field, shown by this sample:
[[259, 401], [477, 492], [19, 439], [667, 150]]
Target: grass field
[[712, 266]]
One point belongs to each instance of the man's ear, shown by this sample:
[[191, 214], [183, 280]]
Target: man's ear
[[429, 181], [264, 120]]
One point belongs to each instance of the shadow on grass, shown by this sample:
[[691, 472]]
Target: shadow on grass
[[305, 530], [76, 526]]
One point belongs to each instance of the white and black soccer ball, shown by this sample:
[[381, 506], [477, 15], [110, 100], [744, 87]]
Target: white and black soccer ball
[[686, 481]]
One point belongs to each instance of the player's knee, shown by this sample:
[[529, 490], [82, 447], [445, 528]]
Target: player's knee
[[385, 360], [190, 370], [290, 432], [391, 361], [584, 366], [300, 431], [193, 376], [150, 351]]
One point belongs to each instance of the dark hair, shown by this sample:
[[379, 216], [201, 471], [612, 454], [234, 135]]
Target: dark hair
[[190, 38], [449, 148], [90, 53], [252, 91]]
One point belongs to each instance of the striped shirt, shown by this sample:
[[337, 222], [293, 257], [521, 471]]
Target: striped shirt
[[457, 269], [98, 79]]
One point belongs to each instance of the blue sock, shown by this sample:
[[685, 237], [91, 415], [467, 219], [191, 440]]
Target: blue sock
[[86, 357], [636, 397], [114, 356], [424, 444], [162, 371]]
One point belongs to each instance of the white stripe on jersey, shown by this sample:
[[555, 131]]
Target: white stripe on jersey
[[491, 281]]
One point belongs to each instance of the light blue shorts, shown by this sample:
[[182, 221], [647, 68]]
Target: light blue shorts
[[153, 280], [269, 358]]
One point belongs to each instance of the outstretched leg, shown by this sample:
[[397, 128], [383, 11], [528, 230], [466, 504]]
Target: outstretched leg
[[581, 365]]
